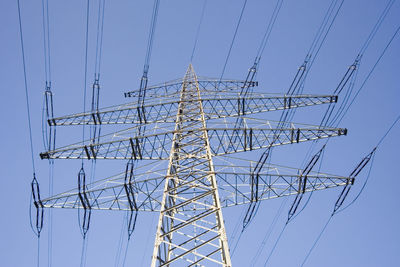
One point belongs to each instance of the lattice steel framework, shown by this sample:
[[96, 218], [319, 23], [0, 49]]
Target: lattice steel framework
[[186, 129]]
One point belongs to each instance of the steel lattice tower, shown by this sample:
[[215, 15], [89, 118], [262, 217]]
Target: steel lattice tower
[[190, 125], [191, 223]]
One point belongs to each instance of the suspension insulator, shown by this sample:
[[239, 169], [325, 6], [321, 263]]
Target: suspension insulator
[[95, 95], [38, 205], [130, 196], [83, 197], [350, 182], [49, 130], [95, 129]]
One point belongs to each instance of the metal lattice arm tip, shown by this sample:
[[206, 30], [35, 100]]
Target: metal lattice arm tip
[[164, 109], [222, 141], [234, 185]]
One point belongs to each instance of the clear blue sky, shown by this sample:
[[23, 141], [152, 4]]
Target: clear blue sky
[[366, 234]]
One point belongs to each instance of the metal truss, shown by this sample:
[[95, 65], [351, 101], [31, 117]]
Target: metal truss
[[164, 109], [206, 85], [191, 125], [224, 140], [234, 185], [191, 227]]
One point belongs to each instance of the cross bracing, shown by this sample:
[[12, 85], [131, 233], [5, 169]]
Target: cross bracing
[[215, 105], [256, 134], [234, 185], [206, 85], [189, 124]]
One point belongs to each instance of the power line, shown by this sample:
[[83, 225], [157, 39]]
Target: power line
[[316, 241], [270, 26], [388, 131], [86, 63], [370, 157], [370, 73], [26, 86], [99, 37], [198, 29], [350, 76], [34, 183], [269, 232], [376, 26], [233, 39], [312, 54], [298, 81], [372, 160]]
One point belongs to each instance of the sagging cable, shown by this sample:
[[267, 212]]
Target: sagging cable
[[350, 181], [249, 82], [303, 184], [254, 181], [83, 197], [342, 197], [38, 205]]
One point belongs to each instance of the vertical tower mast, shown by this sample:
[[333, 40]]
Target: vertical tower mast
[[191, 228]]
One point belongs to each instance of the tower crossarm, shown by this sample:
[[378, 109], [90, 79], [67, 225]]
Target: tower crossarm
[[205, 84], [234, 185], [215, 105], [223, 140]]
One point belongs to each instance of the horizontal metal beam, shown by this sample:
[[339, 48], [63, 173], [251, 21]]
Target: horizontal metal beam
[[215, 106], [205, 84], [234, 188], [222, 140]]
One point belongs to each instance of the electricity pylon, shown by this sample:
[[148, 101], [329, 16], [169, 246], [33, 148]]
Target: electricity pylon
[[190, 178]]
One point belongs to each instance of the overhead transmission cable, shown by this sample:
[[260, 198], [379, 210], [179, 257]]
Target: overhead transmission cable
[[95, 129], [350, 76], [198, 29], [295, 86], [249, 82], [82, 187], [343, 195], [120, 241], [330, 117], [371, 154], [144, 79], [298, 83], [301, 190], [34, 184], [129, 175], [369, 74], [48, 132], [233, 40], [340, 201], [355, 65]]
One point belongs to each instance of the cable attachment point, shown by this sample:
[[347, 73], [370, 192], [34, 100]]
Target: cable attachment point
[[298, 78], [130, 195], [350, 181], [83, 197], [38, 205]]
